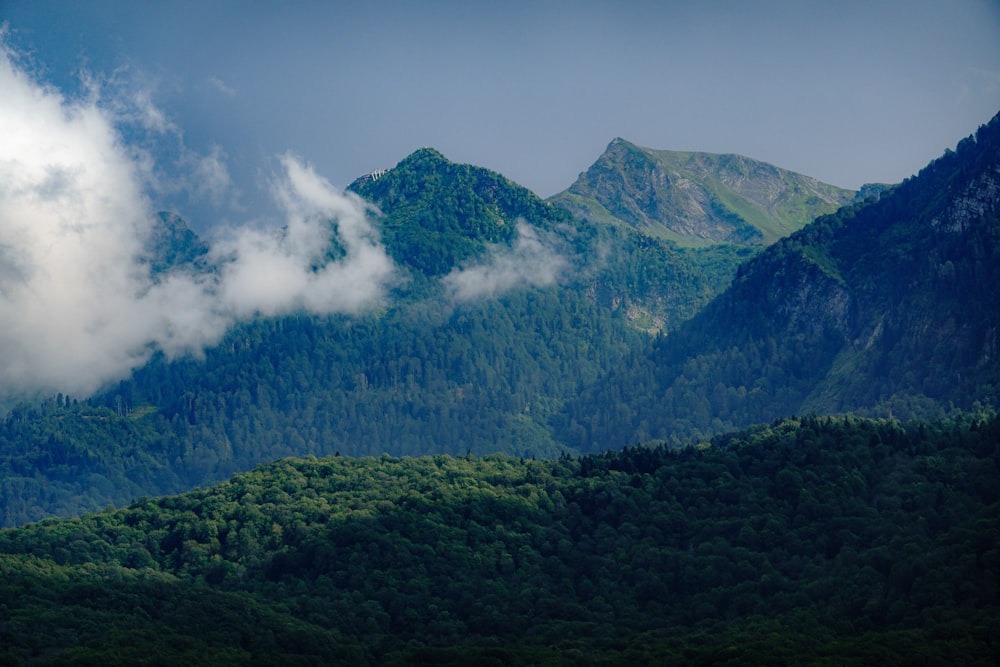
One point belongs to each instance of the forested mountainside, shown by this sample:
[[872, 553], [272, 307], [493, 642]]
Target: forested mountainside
[[423, 379], [528, 338], [698, 198], [816, 541], [886, 308], [432, 372]]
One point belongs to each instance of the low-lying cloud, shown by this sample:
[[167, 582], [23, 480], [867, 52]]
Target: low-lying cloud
[[531, 261], [269, 273], [78, 306]]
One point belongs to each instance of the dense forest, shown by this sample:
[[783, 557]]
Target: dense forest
[[807, 541], [481, 378]]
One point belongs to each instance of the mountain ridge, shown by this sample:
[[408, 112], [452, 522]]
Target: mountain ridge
[[698, 198], [887, 307], [439, 217]]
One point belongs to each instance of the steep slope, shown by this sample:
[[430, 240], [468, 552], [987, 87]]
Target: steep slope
[[698, 198], [419, 378], [818, 541], [889, 307]]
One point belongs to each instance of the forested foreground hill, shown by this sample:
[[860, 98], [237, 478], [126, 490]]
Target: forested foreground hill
[[815, 541], [885, 308]]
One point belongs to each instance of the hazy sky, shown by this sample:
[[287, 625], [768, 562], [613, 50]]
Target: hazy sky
[[848, 92], [249, 116]]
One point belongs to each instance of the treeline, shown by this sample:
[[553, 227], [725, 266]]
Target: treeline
[[810, 541], [68, 459], [425, 376]]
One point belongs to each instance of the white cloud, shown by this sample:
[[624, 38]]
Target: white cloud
[[271, 273], [531, 261], [148, 115], [221, 86], [211, 176], [71, 222], [78, 307]]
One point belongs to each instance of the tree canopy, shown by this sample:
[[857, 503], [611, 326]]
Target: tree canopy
[[814, 540]]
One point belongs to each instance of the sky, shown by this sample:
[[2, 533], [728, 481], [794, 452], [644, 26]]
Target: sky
[[846, 91], [244, 117]]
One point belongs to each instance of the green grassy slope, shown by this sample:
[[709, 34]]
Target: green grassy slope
[[698, 199]]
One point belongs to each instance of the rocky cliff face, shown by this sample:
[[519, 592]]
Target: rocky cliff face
[[698, 198], [908, 289]]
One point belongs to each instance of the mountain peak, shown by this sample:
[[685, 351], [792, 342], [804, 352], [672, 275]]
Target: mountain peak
[[425, 155], [438, 214], [172, 244], [698, 198], [884, 308]]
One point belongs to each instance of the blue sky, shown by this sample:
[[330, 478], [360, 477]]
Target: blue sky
[[848, 92]]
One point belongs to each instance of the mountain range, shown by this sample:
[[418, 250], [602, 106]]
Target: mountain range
[[521, 327], [567, 436]]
